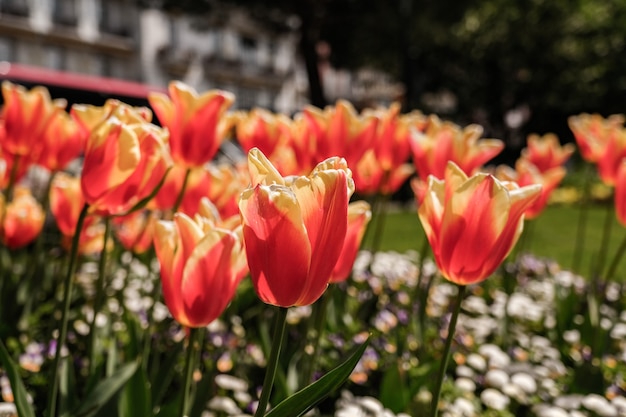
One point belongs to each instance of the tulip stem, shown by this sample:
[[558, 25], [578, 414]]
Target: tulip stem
[[315, 333], [179, 199], [582, 220], [272, 364], [97, 303], [604, 246], [434, 408], [67, 296], [615, 262], [193, 348]]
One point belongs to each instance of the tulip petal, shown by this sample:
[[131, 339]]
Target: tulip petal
[[324, 203], [277, 244], [209, 266]]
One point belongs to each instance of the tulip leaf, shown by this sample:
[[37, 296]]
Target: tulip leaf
[[308, 397], [106, 389], [24, 408], [135, 399]]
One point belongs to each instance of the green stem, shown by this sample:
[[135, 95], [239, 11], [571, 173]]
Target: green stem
[[618, 256], [99, 298], [179, 199], [380, 223], [272, 364], [193, 349], [582, 220], [434, 408], [314, 334], [67, 296], [419, 292], [604, 245]]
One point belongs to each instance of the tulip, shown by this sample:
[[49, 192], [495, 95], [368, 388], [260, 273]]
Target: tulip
[[444, 141], [124, 164], [473, 223], [62, 142], [611, 157], [26, 114], [197, 123], [545, 152], [526, 173], [359, 215], [90, 117], [22, 220], [371, 178], [341, 131], [66, 202], [263, 129], [592, 133], [294, 229], [200, 268]]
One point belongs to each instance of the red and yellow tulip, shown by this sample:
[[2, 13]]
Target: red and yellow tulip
[[473, 223], [197, 123], [25, 115], [124, 163], [201, 267], [445, 141], [525, 173], [294, 228], [545, 152], [23, 219], [593, 132]]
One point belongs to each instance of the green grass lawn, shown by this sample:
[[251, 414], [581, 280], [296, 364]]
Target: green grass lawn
[[552, 235]]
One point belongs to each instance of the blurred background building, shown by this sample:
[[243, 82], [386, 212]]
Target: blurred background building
[[228, 49]]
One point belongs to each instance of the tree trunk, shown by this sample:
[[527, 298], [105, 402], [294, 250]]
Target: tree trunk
[[309, 36]]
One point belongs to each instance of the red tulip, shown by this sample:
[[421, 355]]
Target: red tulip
[[444, 141], [124, 163], [62, 142], [23, 219], [592, 133], [26, 114], [200, 268], [294, 229], [526, 173], [197, 123], [545, 152], [472, 223]]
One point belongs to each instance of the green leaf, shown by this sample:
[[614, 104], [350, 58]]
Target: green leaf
[[106, 389], [135, 399], [393, 392], [24, 408], [308, 397]]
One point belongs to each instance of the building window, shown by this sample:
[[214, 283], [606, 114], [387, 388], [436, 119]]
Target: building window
[[14, 7], [249, 52], [6, 49], [65, 12], [116, 18]]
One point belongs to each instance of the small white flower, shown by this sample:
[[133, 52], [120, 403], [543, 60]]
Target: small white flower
[[525, 382], [599, 405], [477, 362], [494, 399], [496, 378], [465, 384]]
